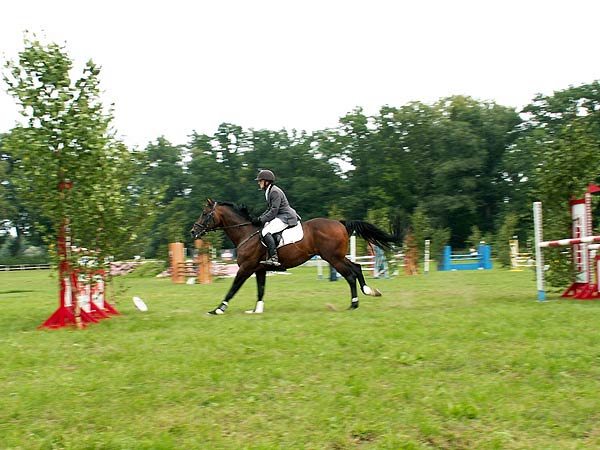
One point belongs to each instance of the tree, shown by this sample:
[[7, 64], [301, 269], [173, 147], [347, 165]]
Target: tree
[[8, 209], [467, 176], [164, 184], [422, 229], [446, 157], [559, 152], [68, 166]]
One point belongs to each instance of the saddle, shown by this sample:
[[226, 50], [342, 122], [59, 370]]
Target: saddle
[[289, 235]]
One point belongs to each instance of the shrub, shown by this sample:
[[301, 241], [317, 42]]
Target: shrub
[[149, 269]]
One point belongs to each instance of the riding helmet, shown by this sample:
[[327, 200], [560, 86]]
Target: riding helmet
[[266, 175]]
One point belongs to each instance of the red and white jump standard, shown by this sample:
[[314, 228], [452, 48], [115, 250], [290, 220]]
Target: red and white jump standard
[[583, 286]]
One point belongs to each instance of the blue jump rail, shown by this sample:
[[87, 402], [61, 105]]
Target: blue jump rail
[[480, 261]]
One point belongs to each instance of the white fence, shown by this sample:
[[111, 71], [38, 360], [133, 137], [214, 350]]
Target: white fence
[[24, 267]]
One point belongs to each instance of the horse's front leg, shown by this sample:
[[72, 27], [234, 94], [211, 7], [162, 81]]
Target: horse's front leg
[[239, 280], [261, 278]]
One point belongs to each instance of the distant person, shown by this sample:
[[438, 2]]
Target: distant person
[[381, 265], [279, 215]]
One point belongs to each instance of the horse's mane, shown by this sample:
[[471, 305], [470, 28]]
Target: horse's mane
[[240, 209]]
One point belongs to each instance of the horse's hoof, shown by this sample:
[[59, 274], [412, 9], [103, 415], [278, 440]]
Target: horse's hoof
[[215, 312], [371, 291], [353, 306], [258, 309]]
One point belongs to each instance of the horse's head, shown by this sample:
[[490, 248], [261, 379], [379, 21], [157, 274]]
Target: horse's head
[[208, 220]]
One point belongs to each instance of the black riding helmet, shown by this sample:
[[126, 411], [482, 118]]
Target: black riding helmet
[[266, 175]]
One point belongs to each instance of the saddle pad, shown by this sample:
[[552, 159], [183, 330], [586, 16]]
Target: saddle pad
[[291, 235]]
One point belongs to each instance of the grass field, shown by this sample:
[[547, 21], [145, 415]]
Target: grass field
[[456, 360]]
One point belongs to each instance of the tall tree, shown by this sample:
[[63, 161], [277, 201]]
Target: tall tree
[[163, 182], [67, 162], [445, 157], [559, 152]]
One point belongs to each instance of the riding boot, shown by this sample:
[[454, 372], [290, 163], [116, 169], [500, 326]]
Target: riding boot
[[272, 260]]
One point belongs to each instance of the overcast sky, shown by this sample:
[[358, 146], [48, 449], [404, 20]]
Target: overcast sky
[[174, 67]]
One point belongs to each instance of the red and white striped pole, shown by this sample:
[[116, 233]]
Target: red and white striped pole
[[563, 242]]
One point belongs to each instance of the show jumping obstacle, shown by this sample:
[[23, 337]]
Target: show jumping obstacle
[[481, 260], [182, 270], [584, 257], [82, 291], [518, 259], [82, 294]]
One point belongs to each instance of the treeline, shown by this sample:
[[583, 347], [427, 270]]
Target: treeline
[[457, 171], [443, 162]]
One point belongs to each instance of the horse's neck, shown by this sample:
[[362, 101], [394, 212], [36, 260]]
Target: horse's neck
[[233, 232]]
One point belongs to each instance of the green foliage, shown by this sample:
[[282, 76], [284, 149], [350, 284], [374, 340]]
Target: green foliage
[[18, 251], [506, 232], [68, 166], [148, 269], [475, 237], [422, 229], [8, 205], [11, 247], [559, 155], [446, 156]]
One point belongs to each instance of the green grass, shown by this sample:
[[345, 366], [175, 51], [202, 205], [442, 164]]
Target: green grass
[[448, 360]]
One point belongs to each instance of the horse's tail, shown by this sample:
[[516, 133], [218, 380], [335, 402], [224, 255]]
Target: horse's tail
[[371, 233]]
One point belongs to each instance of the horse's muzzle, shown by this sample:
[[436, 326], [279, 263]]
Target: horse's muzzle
[[197, 231]]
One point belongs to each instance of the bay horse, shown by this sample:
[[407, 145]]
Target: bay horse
[[324, 237]]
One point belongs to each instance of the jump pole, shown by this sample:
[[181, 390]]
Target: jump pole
[[177, 259], [539, 259], [353, 248], [203, 261], [426, 257]]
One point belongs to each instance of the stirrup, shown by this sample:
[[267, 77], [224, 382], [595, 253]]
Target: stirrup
[[273, 261]]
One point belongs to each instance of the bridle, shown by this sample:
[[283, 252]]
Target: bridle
[[200, 229]]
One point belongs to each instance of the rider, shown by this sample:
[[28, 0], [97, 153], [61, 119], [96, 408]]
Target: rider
[[279, 215]]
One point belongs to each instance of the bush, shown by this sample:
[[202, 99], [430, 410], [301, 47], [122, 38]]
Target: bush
[[23, 260], [149, 269], [15, 252]]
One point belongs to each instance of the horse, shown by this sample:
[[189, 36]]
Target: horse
[[324, 237]]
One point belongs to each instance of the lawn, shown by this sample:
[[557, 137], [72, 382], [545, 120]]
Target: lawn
[[456, 360]]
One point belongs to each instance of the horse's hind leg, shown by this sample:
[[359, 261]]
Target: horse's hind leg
[[348, 270], [351, 273], [363, 284]]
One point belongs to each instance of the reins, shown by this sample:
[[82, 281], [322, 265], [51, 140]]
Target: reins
[[237, 225], [248, 238]]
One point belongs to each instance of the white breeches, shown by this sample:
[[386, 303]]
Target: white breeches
[[274, 226]]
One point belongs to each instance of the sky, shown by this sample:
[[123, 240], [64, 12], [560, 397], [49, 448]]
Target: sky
[[176, 67]]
